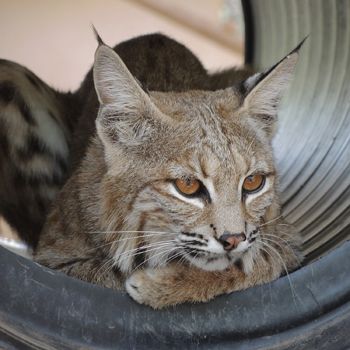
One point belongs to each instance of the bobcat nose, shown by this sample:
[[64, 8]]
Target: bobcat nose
[[231, 240]]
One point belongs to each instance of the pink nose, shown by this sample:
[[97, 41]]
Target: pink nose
[[231, 240]]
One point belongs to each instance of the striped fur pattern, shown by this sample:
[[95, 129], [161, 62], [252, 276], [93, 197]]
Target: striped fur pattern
[[120, 221], [34, 148]]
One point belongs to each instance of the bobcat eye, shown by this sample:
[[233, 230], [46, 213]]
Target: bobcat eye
[[253, 183], [188, 187]]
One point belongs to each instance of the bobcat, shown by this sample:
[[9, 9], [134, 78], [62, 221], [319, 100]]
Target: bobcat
[[174, 194], [44, 132]]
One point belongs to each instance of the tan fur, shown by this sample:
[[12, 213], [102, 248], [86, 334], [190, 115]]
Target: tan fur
[[179, 283], [121, 203]]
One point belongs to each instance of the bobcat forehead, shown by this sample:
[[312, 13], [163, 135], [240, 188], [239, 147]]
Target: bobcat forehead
[[209, 162]]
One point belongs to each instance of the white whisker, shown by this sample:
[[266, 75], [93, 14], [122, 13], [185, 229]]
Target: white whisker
[[151, 257], [271, 221], [126, 239], [294, 294], [146, 248], [126, 231], [104, 265], [269, 238]]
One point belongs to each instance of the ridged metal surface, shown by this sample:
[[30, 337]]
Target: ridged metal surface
[[312, 145]]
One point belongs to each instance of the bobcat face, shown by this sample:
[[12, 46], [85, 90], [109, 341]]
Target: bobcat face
[[190, 175], [206, 209], [227, 222]]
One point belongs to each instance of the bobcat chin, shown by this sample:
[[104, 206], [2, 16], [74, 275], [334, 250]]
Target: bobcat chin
[[175, 194]]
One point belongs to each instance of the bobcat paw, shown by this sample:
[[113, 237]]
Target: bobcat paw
[[145, 288], [133, 286]]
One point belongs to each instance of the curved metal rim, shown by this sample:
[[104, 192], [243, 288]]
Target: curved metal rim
[[44, 307]]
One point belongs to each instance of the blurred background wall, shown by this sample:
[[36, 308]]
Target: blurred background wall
[[55, 40]]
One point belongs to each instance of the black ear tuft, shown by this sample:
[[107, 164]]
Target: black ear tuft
[[262, 92], [251, 82], [97, 36], [299, 45]]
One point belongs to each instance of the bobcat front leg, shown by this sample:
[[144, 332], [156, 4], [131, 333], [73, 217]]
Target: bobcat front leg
[[177, 284]]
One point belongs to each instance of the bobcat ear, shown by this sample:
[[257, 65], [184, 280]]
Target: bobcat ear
[[127, 115], [263, 91], [114, 83]]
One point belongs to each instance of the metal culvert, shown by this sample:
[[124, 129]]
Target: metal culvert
[[310, 309], [313, 143]]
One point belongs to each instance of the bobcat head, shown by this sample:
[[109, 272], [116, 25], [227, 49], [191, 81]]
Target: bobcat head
[[190, 176]]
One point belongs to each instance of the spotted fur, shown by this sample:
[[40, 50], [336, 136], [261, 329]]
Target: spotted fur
[[120, 221]]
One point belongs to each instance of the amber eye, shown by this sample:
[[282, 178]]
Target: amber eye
[[253, 183], [187, 187]]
